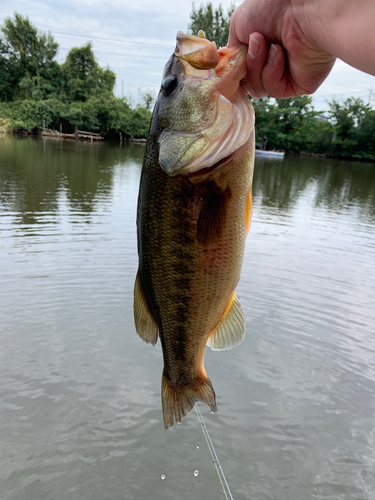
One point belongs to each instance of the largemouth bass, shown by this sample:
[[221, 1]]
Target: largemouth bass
[[194, 211]]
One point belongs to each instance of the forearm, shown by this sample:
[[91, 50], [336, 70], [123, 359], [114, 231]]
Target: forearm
[[342, 28]]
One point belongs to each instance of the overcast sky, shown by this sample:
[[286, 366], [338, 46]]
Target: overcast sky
[[136, 37]]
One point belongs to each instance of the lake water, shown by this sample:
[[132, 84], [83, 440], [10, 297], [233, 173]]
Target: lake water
[[80, 409]]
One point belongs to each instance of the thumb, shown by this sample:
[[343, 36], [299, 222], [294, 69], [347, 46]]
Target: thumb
[[233, 39]]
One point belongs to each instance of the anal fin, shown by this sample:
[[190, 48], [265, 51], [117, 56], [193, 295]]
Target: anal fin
[[231, 329], [145, 323]]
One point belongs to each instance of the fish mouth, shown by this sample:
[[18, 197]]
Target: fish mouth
[[197, 52], [230, 57], [231, 69], [198, 56]]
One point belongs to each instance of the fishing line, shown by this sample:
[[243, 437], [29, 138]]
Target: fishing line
[[214, 457]]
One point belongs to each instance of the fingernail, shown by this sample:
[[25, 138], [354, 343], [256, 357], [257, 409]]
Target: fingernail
[[254, 46], [273, 53]]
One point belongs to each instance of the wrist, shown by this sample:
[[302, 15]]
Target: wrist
[[312, 18]]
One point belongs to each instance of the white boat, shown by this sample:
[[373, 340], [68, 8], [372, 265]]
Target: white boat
[[270, 154]]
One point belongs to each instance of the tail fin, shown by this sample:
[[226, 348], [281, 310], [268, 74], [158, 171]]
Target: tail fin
[[178, 400]]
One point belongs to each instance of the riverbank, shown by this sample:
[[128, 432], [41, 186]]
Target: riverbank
[[46, 133], [105, 116], [122, 138], [335, 156]]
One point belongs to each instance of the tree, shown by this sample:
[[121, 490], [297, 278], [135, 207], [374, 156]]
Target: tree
[[366, 134], [214, 23], [24, 53], [295, 116], [6, 83], [291, 125], [139, 123], [147, 98], [37, 91], [83, 76], [354, 123]]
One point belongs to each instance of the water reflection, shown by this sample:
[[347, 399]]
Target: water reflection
[[280, 184], [346, 184], [34, 173]]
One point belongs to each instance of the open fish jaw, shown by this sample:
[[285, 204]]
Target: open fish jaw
[[199, 53]]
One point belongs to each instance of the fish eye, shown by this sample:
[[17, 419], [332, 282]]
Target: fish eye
[[169, 85]]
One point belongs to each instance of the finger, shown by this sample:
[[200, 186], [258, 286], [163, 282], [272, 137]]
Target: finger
[[274, 79], [256, 58], [233, 39]]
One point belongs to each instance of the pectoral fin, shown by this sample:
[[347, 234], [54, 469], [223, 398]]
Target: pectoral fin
[[231, 329], [145, 323], [212, 215]]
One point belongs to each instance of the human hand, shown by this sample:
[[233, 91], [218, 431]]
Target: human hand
[[283, 58]]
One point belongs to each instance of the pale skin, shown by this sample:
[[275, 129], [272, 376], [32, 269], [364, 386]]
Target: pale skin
[[293, 44]]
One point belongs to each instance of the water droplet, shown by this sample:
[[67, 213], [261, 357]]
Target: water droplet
[[212, 413], [163, 476], [197, 447], [196, 472]]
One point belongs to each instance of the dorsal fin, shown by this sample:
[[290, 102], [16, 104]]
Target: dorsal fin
[[145, 323], [231, 329]]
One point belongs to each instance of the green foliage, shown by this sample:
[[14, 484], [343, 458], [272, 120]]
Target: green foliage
[[36, 91], [291, 125], [139, 123], [99, 114], [24, 53], [83, 77], [31, 49], [6, 83], [27, 114], [354, 123], [213, 22], [148, 99]]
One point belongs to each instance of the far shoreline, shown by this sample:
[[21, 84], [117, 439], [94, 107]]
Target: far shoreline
[[142, 141]]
